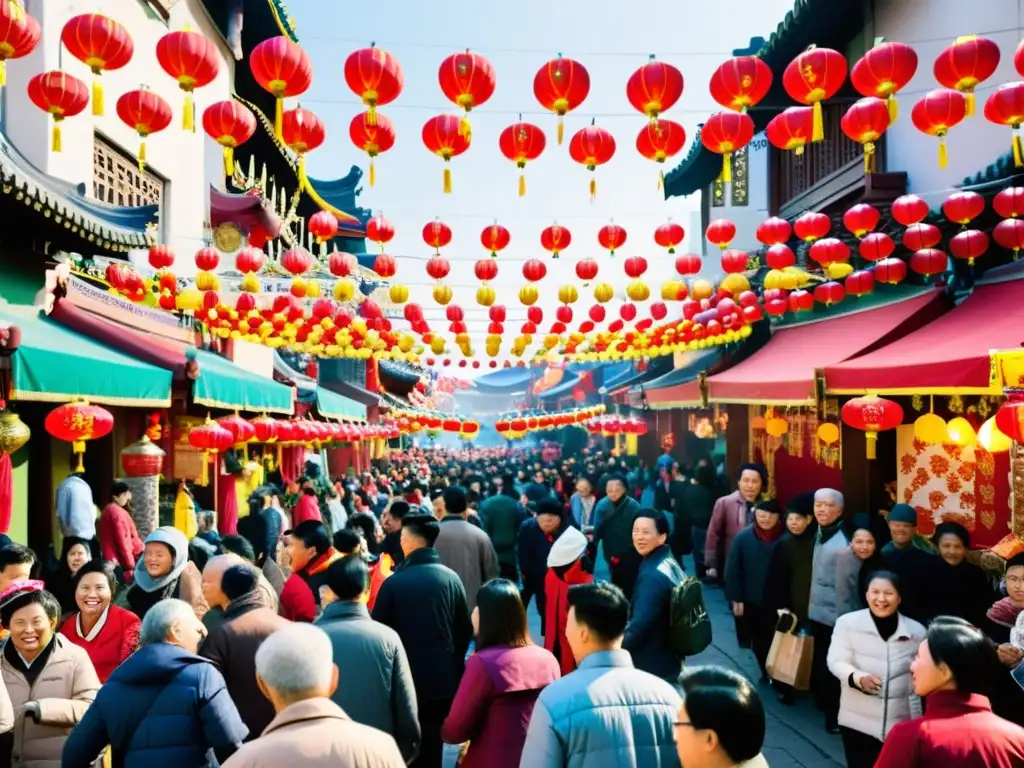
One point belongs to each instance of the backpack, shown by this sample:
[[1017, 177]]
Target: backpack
[[689, 623]]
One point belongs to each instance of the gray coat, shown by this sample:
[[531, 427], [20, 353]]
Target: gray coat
[[606, 714], [376, 686], [468, 551], [848, 596], [823, 608]]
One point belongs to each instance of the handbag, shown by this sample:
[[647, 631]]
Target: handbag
[[791, 655]]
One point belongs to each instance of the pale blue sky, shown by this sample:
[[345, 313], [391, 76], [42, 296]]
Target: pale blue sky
[[611, 38]]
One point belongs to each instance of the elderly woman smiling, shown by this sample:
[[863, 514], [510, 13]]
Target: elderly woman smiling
[[165, 571]]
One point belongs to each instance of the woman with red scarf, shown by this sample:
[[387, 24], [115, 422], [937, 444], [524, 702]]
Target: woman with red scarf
[[567, 566], [746, 572]]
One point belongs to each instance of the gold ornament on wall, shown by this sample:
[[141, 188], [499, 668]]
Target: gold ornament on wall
[[14, 433], [227, 237]]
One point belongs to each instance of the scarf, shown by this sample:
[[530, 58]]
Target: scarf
[[30, 670], [242, 605], [1004, 612], [826, 532], [769, 535], [175, 540]]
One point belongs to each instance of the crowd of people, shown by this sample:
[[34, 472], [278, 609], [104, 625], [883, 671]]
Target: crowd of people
[[369, 622]]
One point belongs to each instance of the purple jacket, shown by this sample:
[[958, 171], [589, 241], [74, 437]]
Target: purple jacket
[[729, 517], [494, 702]]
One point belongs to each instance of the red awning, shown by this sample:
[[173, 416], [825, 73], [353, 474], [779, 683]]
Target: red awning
[[947, 356], [686, 395], [783, 371]]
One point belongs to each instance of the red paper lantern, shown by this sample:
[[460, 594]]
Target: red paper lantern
[[635, 266], [486, 269], [965, 64], [586, 270], [969, 244], [865, 122], [1009, 202], [191, 59], [654, 88], [297, 261], [859, 283], [323, 225], [918, 236], [282, 68], [928, 262], [660, 140], [628, 312], [909, 209], [883, 71], [774, 230], [341, 264], [145, 113], [561, 85], [556, 239], [734, 261], [720, 232], [872, 414], [1009, 233], [1006, 107], [230, 124], [937, 112], [876, 246], [375, 76], [19, 35], [741, 82], [813, 77], [724, 133], [812, 226], [829, 250], [861, 219], [241, 430], [207, 258], [160, 256], [468, 80], [891, 271], [437, 235], [374, 134], [302, 131], [522, 142], [58, 94], [590, 147], [669, 235], [801, 301], [77, 423], [597, 313], [611, 237], [829, 293], [495, 238], [438, 267], [564, 315], [963, 207], [1010, 420], [791, 130], [443, 136], [384, 265], [101, 44], [534, 270], [688, 264], [779, 256]]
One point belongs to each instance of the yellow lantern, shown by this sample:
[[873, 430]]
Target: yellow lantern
[[992, 439], [344, 290], [673, 290], [189, 299], [405, 342], [442, 294], [398, 294], [736, 284], [701, 289], [776, 427], [437, 345], [828, 433], [207, 281], [485, 296], [773, 280], [250, 283], [930, 428], [961, 432], [567, 294], [313, 289], [637, 290], [838, 270], [603, 293], [528, 294]]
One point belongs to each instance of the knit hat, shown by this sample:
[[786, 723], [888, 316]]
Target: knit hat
[[903, 513], [568, 548], [955, 529], [801, 505], [861, 522]]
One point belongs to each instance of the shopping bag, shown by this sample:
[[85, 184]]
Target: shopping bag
[[791, 654]]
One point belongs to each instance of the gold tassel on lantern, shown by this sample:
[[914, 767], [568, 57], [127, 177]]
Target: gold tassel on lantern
[[661, 179], [3, 73], [522, 184], [78, 446], [894, 107], [465, 129], [561, 130], [1018, 150], [373, 173], [818, 125], [188, 115], [970, 103], [55, 139], [142, 155], [371, 115], [279, 117], [229, 161], [97, 98], [726, 177], [869, 157], [943, 153], [593, 188], [872, 444], [447, 180]]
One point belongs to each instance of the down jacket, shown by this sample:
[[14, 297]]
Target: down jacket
[[858, 649], [162, 708]]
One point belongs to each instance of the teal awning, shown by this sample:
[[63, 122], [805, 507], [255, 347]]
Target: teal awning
[[222, 384], [54, 365], [331, 405]]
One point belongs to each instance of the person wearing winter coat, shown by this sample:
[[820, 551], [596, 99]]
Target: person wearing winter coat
[[697, 501], [788, 583], [870, 655], [568, 566], [647, 633], [915, 566], [503, 679], [307, 507], [310, 554], [377, 689], [953, 672], [50, 681], [164, 572], [464, 547], [958, 587], [165, 707], [536, 537], [500, 517], [119, 538], [613, 530], [746, 573], [731, 515], [855, 566]]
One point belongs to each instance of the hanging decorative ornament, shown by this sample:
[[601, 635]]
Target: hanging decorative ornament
[[779, 256], [1006, 107], [734, 261], [101, 44], [860, 283], [724, 133], [669, 235], [323, 225], [937, 112], [829, 250], [144, 112], [534, 270], [1010, 420], [611, 237], [522, 142], [876, 246], [586, 270], [861, 219], [865, 122], [812, 226], [660, 140], [443, 136], [467, 79], [230, 124], [590, 147], [437, 235], [297, 261], [963, 207], [813, 77], [721, 232], [561, 85], [77, 423], [1009, 202], [773, 231], [1009, 233], [741, 82], [965, 64], [791, 130], [654, 88], [302, 131], [495, 238], [374, 134], [928, 262], [19, 35], [688, 264], [872, 414], [884, 71], [60, 95], [909, 209], [891, 271], [969, 244], [282, 68], [375, 76], [379, 230], [191, 59]]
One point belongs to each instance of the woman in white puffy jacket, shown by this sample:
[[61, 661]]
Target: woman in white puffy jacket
[[871, 652]]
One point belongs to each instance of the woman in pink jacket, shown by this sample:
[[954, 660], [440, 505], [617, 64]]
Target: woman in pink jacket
[[731, 515]]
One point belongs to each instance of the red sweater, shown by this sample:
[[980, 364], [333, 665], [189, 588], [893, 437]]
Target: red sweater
[[556, 612], [119, 538], [306, 508], [957, 731], [116, 640]]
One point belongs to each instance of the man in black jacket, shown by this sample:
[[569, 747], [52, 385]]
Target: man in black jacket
[[614, 530], [425, 603]]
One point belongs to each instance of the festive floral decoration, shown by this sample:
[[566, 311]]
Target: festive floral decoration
[[522, 142], [101, 44], [561, 85], [60, 95], [192, 59], [78, 422], [374, 134], [230, 124], [282, 68]]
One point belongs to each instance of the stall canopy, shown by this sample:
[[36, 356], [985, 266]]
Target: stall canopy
[[222, 384], [948, 356], [333, 406], [54, 364], [783, 371], [680, 388]]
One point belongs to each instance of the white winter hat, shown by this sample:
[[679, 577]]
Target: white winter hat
[[567, 548]]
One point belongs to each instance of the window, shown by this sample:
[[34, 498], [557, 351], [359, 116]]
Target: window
[[116, 178]]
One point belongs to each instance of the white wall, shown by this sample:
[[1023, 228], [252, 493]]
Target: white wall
[[746, 217], [929, 26], [189, 162]]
